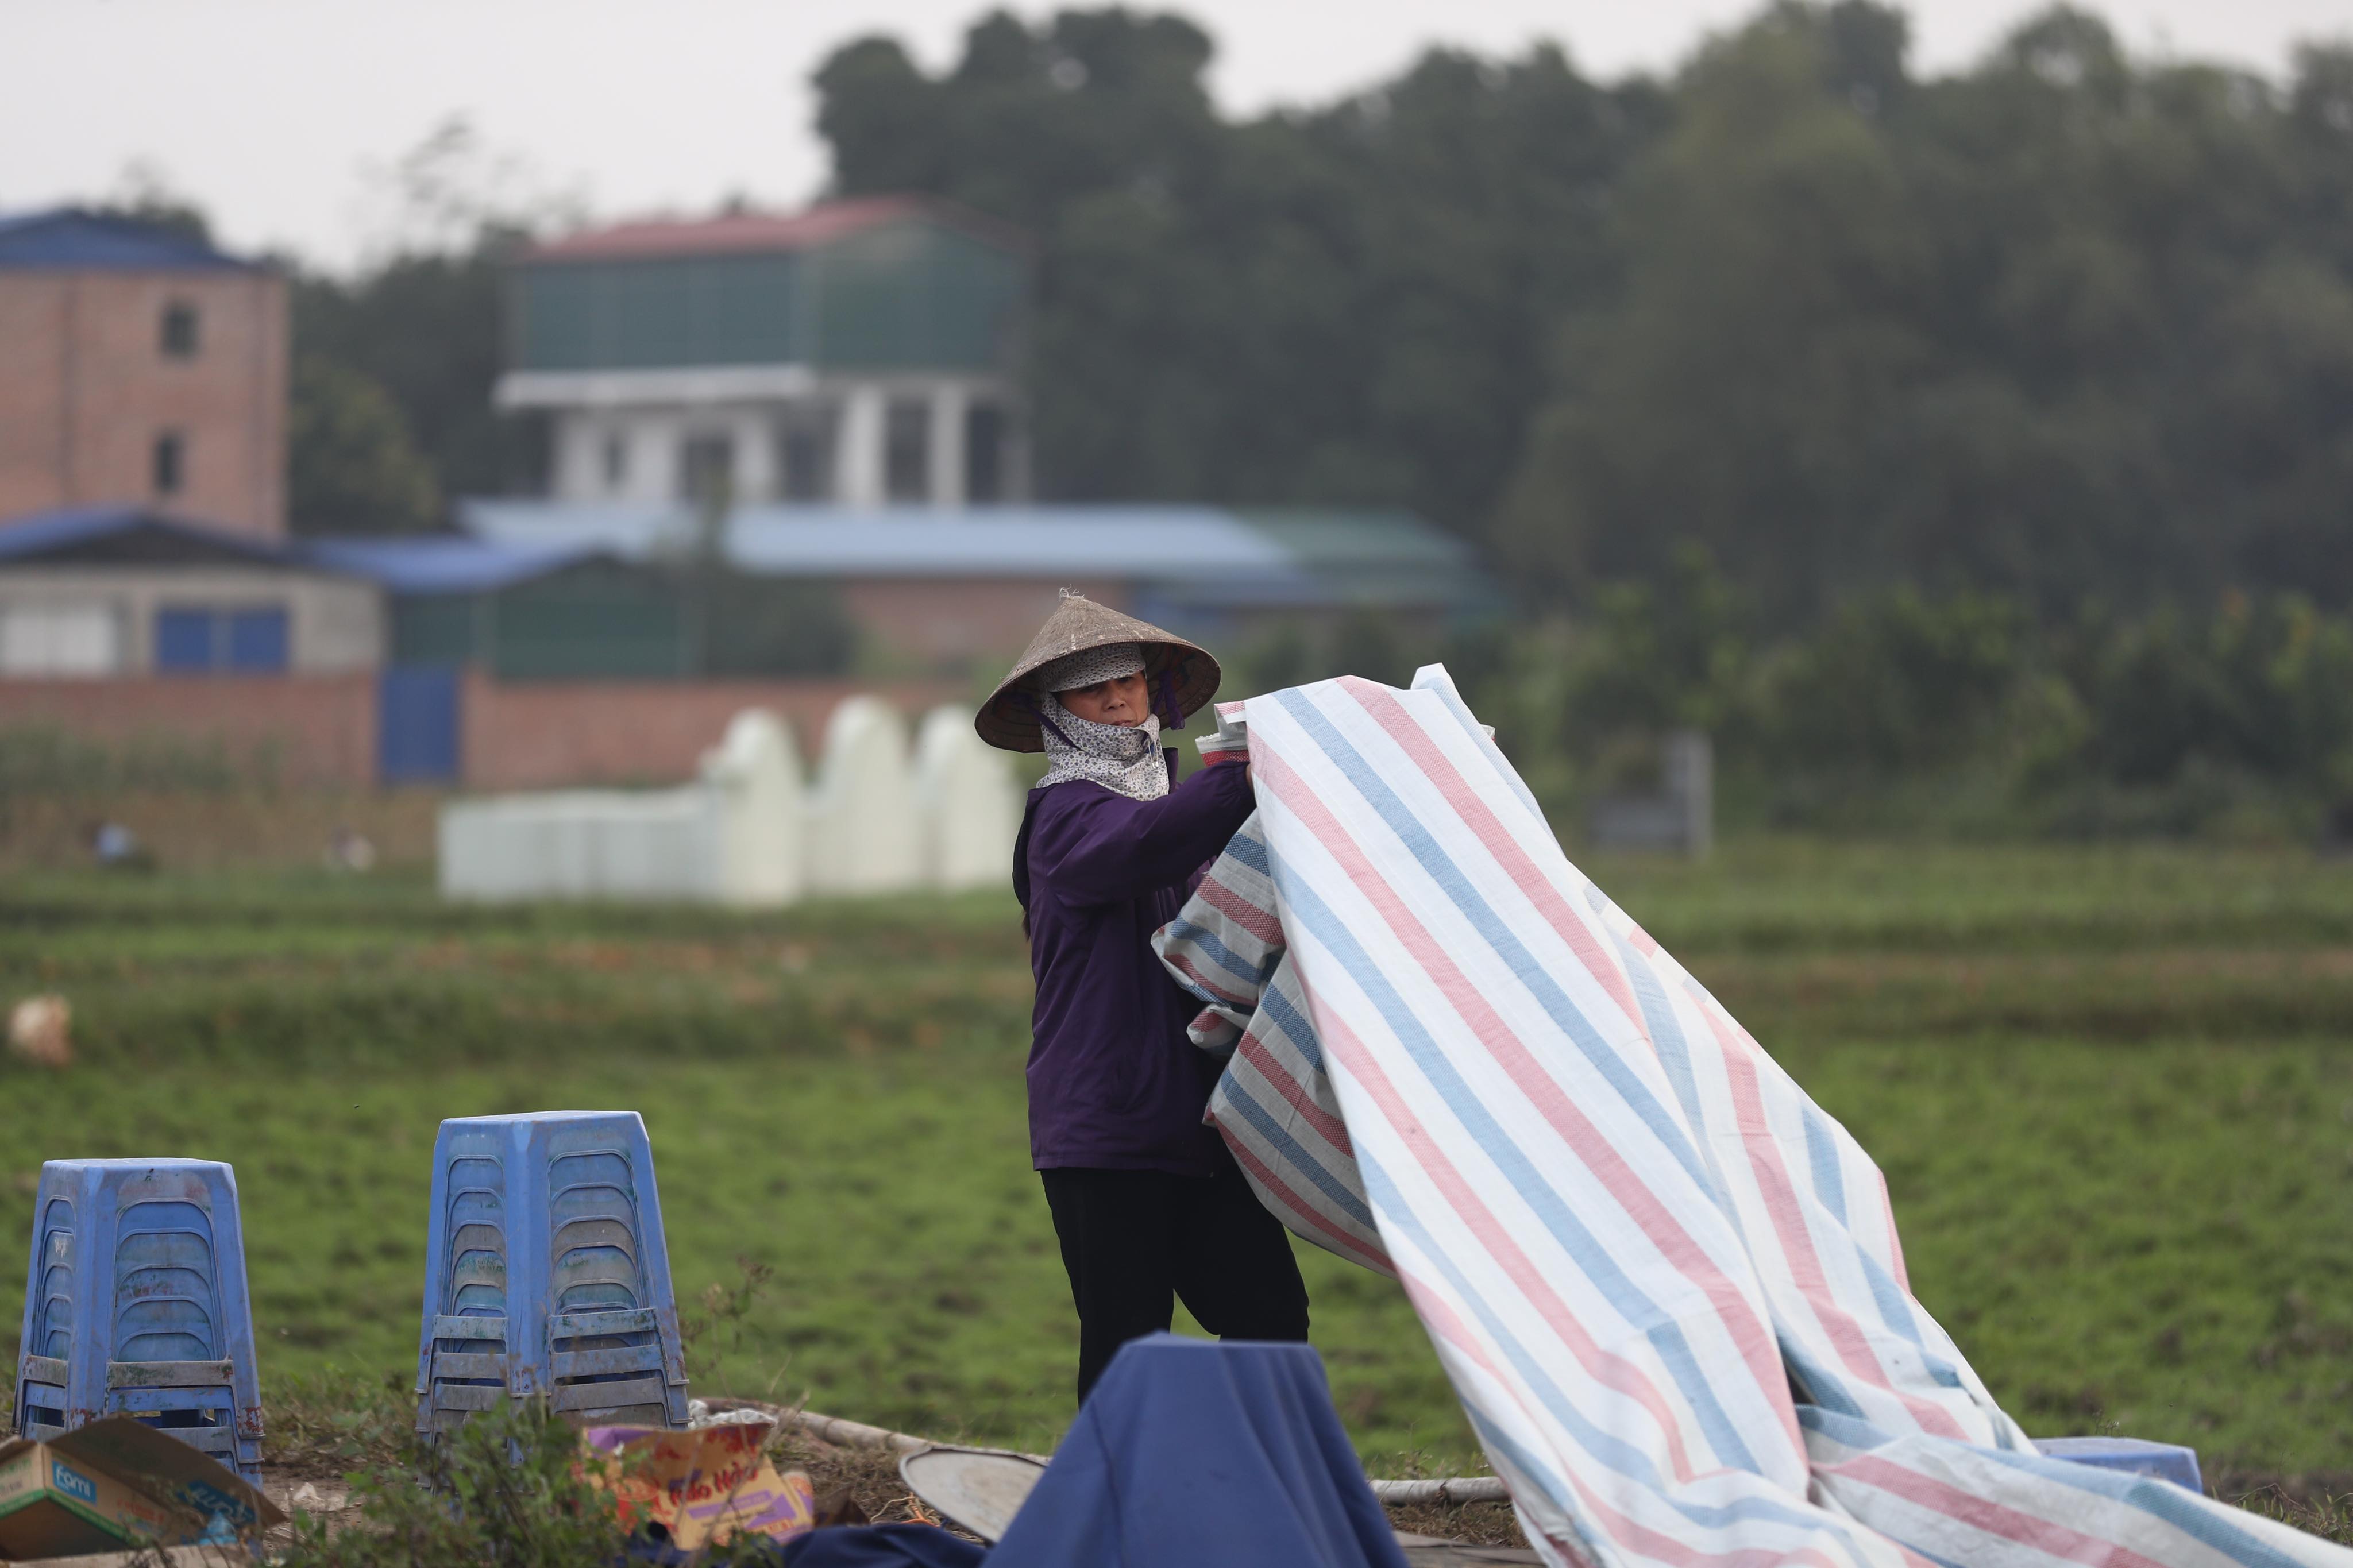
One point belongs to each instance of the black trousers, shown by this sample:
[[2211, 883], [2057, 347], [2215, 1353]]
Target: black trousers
[[1134, 1242]]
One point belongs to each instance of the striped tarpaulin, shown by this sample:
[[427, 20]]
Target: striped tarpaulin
[[1666, 1285]]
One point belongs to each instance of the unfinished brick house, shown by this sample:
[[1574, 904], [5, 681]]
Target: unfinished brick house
[[140, 366]]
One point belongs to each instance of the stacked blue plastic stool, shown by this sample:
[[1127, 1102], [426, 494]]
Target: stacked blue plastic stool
[[136, 1305], [546, 1273]]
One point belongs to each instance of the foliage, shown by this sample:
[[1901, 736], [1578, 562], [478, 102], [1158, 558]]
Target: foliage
[[2065, 322], [338, 1423], [1349, 305], [308, 1416], [506, 1488], [724, 1307], [1893, 684], [2328, 1516], [755, 625], [145, 194], [1765, 252], [2105, 1084], [2166, 720], [423, 319], [2068, 324], [2025, 329], [2266, 685], [426, 328], [1670, 654], [354, 469], [49, 760]]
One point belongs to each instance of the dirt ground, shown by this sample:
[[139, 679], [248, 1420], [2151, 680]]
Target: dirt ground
[[852, 1482], [201, 830]]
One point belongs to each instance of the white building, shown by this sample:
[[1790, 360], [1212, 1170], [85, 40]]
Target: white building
[[862, 354]]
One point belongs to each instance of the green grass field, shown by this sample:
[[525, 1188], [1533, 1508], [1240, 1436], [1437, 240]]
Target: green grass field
[[2112, 1089]]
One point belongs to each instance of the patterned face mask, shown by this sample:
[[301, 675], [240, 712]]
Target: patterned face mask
[[1125, 759]]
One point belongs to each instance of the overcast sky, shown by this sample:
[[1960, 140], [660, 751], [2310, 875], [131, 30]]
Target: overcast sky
[[279, 116]]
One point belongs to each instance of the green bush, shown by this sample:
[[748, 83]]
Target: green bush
[[1901, 709], [1894, 685]]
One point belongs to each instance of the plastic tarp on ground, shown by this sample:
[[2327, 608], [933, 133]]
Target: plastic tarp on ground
[[1189, 1453], [880, 1546], [1666, 1285]]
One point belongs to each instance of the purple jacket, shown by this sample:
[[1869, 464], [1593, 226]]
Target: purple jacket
[[1114, 1082]]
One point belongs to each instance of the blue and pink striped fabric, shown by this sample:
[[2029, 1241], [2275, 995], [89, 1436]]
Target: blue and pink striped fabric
[[1666, 1285]]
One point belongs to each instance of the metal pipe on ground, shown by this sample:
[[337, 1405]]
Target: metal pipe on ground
[[828, 1428], [1443, 1488], [858, 1435]]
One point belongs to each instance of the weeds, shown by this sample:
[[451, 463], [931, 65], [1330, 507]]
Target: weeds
[[724, 1306], [509, 1487], [46, 760], [322, 1425], [2329, 1516], [505, 1488]]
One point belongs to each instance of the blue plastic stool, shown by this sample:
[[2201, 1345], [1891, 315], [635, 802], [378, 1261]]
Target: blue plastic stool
[[2167, 1461], [545, 1272], [136, 1305]]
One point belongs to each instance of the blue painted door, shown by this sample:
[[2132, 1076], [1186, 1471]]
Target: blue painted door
[[416, 726]]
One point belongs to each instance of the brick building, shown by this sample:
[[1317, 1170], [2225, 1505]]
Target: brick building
[[140, 366], [436, 660], [845, 382], [94, 591]]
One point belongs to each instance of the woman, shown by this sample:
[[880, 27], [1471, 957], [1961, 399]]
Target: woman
[[1148, 1206]]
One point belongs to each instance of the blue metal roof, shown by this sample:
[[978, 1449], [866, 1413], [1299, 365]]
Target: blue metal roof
[[1379, 557], [47, 530], [68, 238], [1265, 559], [440, 564], [445, 563], [50, 533], [1192, 543]]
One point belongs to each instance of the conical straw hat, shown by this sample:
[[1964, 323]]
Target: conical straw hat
[[1181, 674]]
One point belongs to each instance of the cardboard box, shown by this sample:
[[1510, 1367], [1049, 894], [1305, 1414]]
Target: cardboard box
[[120, 1483], [700, 1486]]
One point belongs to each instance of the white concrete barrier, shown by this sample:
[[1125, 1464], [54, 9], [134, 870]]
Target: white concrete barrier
[[733, 837], [968, 803], [579, 844], [863, 837], [745, 832], [762, 841]]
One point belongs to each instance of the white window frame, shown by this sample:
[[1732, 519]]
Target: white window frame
[[71, 639]]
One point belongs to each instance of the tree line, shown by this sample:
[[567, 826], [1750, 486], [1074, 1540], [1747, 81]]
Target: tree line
[[2066, 323], [1900, 710], [1992, 431]]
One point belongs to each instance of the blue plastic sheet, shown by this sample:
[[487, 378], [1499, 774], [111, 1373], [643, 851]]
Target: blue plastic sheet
[[2133, 1456], [1189, 1453], [836, 1546], [880, 1546]]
